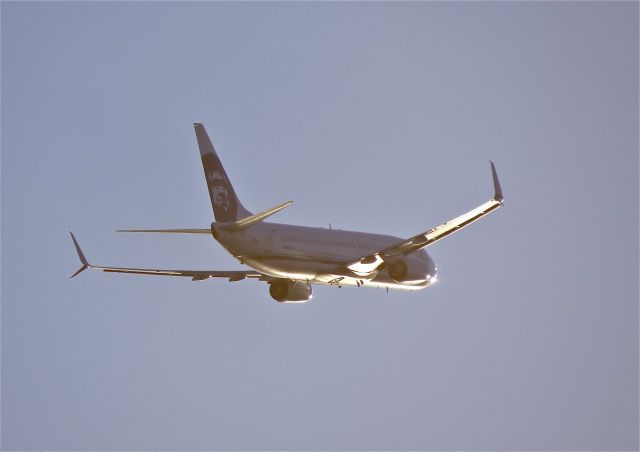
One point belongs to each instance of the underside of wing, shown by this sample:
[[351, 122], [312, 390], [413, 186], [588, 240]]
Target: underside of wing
[[372, 262], [195, 275]]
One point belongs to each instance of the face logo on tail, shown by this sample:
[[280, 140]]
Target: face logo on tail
[[219, 191], [222, 195], [224, 201]]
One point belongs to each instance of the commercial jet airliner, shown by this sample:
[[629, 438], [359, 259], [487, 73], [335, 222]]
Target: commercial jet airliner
[[290, 259]]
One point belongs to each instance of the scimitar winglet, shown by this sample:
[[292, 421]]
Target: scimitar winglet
[[83, 259]]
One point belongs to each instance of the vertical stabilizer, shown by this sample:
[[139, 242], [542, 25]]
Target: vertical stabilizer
[[224, 201]]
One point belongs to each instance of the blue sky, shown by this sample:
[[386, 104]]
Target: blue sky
[[378, 117]]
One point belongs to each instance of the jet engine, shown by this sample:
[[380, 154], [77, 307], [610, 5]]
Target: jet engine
[[411, 271], [287, 291]]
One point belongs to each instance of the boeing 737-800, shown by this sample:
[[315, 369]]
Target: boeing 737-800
[[291, 258]]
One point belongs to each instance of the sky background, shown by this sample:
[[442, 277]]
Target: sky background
[[377, 117]]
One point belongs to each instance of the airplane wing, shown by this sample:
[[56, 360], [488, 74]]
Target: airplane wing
[[371, 262], [195, 275]]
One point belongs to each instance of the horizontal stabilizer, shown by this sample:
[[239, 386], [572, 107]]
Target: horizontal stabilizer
[[252, 219], [170, 231]]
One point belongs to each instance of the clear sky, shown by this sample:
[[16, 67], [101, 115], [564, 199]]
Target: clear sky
[[378, 117]]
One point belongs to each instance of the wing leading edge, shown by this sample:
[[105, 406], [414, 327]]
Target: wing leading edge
[[369, 263], [195, 275]]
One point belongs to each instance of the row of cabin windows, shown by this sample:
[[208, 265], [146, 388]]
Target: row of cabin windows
[[325, 242]]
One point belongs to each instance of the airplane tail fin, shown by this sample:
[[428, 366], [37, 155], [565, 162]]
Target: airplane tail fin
[[224, 201]]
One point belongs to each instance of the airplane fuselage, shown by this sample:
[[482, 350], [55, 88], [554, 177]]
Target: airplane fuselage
[[319, 255], [289, 258]]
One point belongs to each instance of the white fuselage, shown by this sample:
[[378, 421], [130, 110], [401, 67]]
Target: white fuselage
[[319, 255]]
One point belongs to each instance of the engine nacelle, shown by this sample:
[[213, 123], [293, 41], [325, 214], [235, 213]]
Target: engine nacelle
[[286, 291], [410, 271]]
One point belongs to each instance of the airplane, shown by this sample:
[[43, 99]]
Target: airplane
[[290, 259]]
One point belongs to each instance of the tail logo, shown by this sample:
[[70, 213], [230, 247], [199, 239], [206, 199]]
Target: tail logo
[[219, 192], [223, 198]]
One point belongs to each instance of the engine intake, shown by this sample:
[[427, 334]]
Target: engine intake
[[412, 271], [287, 291]]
